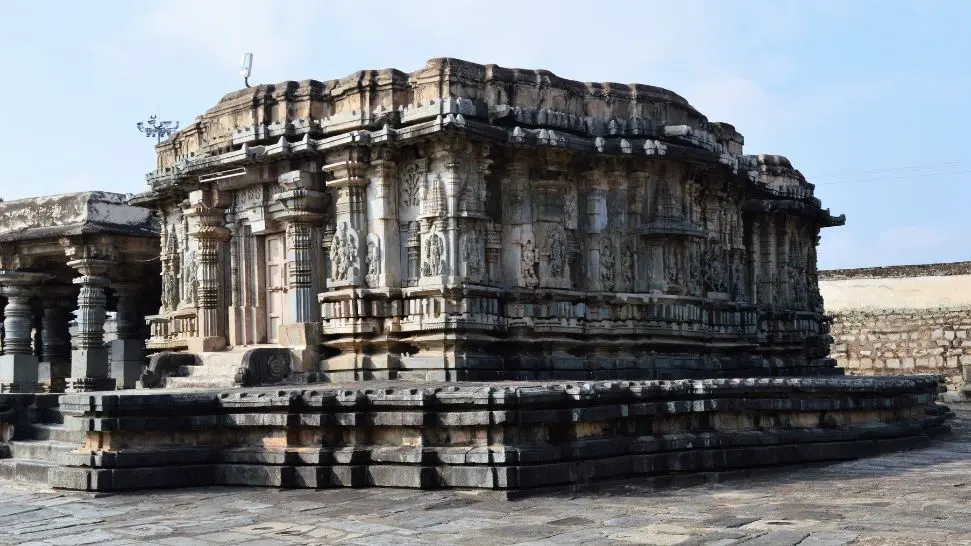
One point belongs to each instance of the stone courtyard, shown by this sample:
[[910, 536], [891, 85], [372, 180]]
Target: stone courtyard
[[909, 497]]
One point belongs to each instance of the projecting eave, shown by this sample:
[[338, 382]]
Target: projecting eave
[[76, 229], [834, 221]]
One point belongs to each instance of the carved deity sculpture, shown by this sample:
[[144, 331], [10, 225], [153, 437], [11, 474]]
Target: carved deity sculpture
[[570, 208], [694, 276], [471, 253], [627, 266], [433, 264], [343, 253], [738, 277], [527, 265], [373, 260], [606, 265], [672, 267], [555, 253], [170, 292], [189, 278]]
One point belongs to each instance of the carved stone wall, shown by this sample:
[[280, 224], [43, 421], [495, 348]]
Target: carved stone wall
[[475, 222]]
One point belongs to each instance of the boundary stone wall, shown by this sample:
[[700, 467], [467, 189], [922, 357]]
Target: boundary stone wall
[[908, 319]]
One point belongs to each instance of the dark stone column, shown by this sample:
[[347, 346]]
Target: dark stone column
[[89, 359], [19, 364], [127, 353], [55, 366]]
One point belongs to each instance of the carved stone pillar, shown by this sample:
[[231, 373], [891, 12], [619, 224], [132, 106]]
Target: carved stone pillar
[[755, 261], [349, 180], [89, 359], [301, 288], [55, 367], [303, 204], [783, 269], [206, 227], [128, 351], [384, 258], [18, 364]]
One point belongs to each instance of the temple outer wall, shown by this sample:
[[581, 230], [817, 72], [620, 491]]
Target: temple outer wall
[[903, 320]]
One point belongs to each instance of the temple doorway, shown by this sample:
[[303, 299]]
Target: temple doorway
[[276, 283]]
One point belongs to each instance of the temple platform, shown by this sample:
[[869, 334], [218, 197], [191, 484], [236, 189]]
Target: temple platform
[[508, 436]]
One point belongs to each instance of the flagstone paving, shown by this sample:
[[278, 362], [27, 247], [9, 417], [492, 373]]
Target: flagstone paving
[[911, 497]]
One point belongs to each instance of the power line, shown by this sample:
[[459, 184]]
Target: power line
[[898, 177], [840, 174]]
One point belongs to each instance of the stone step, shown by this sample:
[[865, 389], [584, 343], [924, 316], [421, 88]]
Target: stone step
[[26, 470], [203, 381], [40, 450], [56, 432]]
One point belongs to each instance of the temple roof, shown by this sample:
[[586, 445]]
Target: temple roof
[[74, 214]]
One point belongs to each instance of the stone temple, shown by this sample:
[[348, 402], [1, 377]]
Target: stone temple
[[469, 222], [473, 276]]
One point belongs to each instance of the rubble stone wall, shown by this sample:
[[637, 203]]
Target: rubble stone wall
[[902, 320]]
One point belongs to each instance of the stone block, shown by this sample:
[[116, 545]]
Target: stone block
[[18, 373], [303, 339], [127, 357], [205, 345], [89, 363]]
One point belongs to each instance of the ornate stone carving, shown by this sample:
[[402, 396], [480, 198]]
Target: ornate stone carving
[[554, 252], [189, 278], [672, 264], [528, 265], [627, 266], [434, 260], [570, 208], [264, 366], [373, 260], [738, 276], [434, 200], [716, 268], [607, 264], [412, 185], [472, 250], [343, 253]]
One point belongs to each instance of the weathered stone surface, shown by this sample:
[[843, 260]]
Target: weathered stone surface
[[59, 253], [511, 436], [898, 498], [470, 222], [73, 214], [902, 320]]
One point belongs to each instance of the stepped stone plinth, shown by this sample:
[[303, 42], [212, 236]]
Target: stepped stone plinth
[[473, 276]]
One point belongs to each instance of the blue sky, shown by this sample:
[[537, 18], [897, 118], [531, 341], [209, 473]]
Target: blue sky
[[869, 98]]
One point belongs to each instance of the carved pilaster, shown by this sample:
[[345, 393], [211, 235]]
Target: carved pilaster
[[347, 249], [383, 256], [301, 289], [303, 205], [206, 227]]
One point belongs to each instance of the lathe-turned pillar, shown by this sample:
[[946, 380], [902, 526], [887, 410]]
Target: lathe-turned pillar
[[19, 364], [128, 351], [89, 359], [57, 303]]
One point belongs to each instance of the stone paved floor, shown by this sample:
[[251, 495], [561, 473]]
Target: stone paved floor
[[916, 497]]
